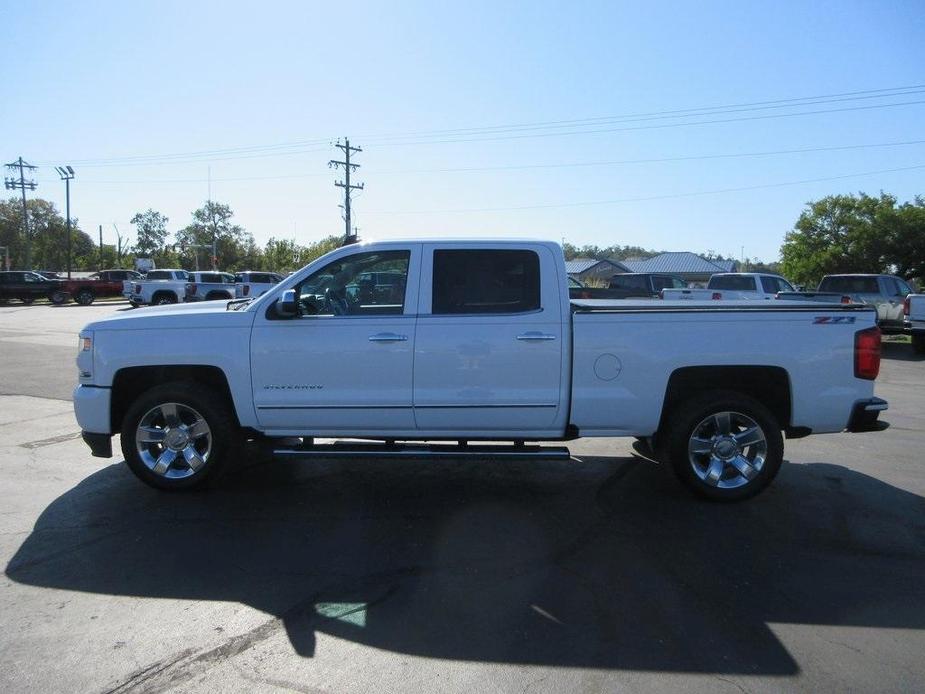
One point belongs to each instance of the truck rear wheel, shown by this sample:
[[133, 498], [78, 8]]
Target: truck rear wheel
[[58, 298], [176, 438], [164, 298], [723, 445], [918, 343], [85, 297]]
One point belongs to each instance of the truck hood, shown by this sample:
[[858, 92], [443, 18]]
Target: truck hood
[[201, 314]]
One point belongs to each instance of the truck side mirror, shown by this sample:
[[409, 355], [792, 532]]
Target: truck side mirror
[[287, 306]]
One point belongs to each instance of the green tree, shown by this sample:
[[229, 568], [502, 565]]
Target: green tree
[[151, 233], [848, 233], [48, 233], [235, 247]]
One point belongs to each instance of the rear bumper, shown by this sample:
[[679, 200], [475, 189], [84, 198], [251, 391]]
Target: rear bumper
[[865, 414]]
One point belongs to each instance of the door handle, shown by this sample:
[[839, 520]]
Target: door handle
[[535, 337], [387, 337]]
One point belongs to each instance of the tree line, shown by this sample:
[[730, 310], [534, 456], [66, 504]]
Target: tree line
[[188, 248], [838, 233]]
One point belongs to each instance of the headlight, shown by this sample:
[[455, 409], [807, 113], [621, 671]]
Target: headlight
[[85, 344]]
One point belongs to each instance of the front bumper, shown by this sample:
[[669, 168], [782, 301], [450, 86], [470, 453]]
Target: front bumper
[[865, 414], [92, 408]]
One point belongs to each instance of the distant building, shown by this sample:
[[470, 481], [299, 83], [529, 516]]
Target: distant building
[[590, 268], [688, 266]]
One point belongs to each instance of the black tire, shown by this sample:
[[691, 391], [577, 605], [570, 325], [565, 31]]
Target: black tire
[[85, 297], [918, 343], [225, 441], [163, 299], [58, 298], [4, 301], [695, 419], [27, 300]]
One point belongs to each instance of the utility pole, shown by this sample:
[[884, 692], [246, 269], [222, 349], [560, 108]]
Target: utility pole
[[349, 237], [21, 183], [100, 269], [67, 174]]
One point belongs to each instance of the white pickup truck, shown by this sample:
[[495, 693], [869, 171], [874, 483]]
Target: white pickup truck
[[914, 320], [471, 341], [733, 286], [159, 287]]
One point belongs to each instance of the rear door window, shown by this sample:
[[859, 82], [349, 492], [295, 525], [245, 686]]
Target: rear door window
[[628, 282], [485, 281], [741, 283], [850, 285]]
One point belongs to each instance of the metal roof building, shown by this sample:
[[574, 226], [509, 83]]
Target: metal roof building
[[587, 268], [686, 265]]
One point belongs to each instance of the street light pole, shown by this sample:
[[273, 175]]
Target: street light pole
[[67, 173]]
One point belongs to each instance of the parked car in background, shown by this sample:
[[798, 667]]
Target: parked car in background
[[885, 292], [579, 290], [251, 284], [645, 283], [27, 286], [105, 283], [914, 311], [159, 287], [209, 286], [734, 286]]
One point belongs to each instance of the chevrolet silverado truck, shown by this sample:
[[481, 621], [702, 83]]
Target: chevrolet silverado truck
[[732, 286], [159, 287], [478, 342], [914, 312], [209, 286], [253, 284], [105, 283]]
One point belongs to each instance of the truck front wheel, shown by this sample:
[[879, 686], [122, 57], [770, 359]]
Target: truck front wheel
[[175, 437], [723, 445]]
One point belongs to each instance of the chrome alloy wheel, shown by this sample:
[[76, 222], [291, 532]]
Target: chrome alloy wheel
[[173, 440], [727, 450]]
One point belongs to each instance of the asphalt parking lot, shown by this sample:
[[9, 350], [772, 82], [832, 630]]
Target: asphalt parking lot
[[599, 574]]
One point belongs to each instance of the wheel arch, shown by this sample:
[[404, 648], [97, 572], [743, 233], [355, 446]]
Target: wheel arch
[[769, 385], [130, 382]]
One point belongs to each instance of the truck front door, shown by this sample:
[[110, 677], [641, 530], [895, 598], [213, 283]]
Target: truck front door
[[344, 365], [490, 343]]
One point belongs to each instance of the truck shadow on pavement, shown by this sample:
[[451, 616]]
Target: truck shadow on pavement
[[601, 563]]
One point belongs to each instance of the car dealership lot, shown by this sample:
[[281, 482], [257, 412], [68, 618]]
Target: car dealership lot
[[598, 574]]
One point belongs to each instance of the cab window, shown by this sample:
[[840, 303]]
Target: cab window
[[485, 281], [363, 284]]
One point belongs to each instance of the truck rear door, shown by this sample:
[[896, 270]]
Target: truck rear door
[[490, 341]]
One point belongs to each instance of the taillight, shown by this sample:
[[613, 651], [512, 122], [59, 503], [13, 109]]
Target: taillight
[[906, 306], [846, 299], [661, 293], [867, 353], [247, 289], [191, 289], [716, 296], [138, 289]]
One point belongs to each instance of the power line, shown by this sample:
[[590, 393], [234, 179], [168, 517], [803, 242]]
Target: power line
[[12, 183], [299, 146], [349, 235], [647, 198], [553, 165]]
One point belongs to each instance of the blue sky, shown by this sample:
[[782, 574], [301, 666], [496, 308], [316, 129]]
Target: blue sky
[[118, 89]]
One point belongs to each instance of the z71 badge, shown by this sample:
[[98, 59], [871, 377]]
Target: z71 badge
[[819, 320]]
